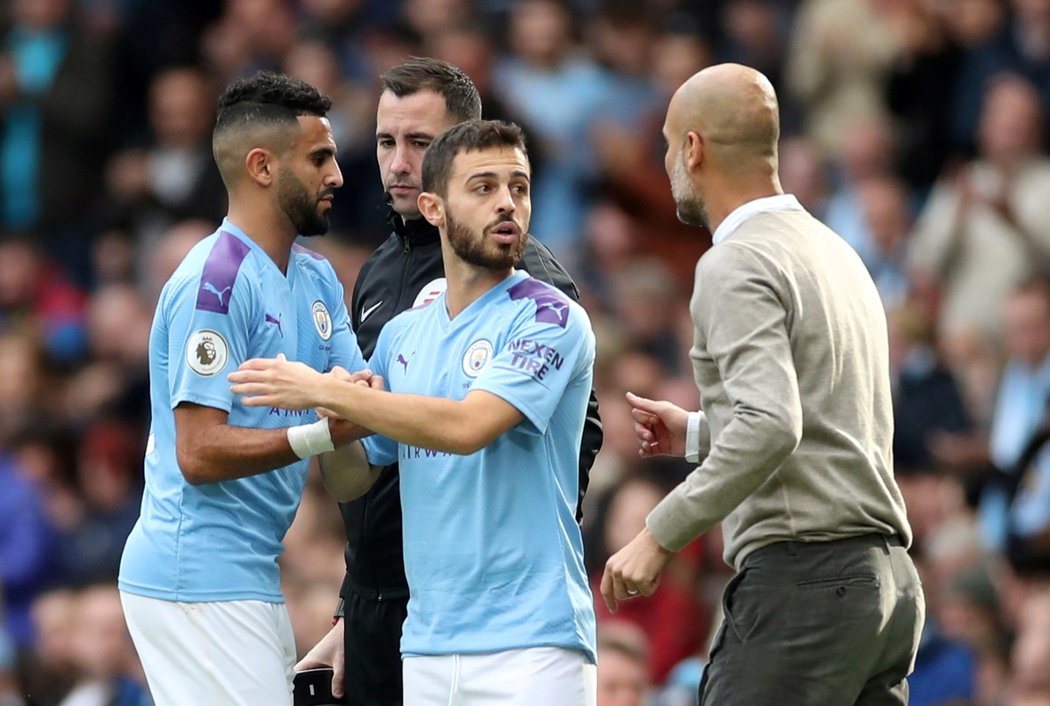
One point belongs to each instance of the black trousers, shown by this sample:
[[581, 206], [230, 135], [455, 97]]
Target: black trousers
[[818, 624], [372, 637]]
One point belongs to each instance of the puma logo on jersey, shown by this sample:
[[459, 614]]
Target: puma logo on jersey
[[209, 287]]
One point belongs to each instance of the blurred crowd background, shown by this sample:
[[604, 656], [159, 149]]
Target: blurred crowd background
[[915, 128]]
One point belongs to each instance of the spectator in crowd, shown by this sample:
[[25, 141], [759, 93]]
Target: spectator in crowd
[[51, 669], [102, 654], [927, 400], [556, 91], [1015, 499], [38, 300], [982, 230], [172, 177], [884, 205], [89, 547], [837, 64], [672, 605], [1019, 46], [56, 99], [623, 666], [10, 688], [805, 173], [26, 544]]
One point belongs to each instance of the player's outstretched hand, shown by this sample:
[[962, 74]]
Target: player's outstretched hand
[[328, 653], [276, 382], [660, 426]]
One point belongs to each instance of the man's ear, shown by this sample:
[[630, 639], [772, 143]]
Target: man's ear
[[693, 151], [432, 207], [261, 166]]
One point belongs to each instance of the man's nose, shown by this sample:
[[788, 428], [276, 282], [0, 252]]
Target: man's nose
[[402, 163], [335, 178], [505, 202]]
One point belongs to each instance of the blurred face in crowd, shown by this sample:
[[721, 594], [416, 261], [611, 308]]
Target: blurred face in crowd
[[488, 206], [40, 14], [627, 512], [314, 62], [405, 127], [540, 31], [1033, 12], [884, 204], [1011, 120], [181, 108], [101, 641], [1028, 325], [623, 680]]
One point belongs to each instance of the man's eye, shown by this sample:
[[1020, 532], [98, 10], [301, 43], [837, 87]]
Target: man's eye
[[421, 144]]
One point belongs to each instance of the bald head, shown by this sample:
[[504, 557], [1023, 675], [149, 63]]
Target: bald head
[[734, 109], [722, 129]]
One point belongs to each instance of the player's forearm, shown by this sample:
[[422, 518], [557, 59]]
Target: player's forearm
[[346, 472], [417, 420], [225, 452]]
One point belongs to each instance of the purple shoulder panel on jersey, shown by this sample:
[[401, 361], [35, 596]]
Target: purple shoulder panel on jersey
[[220, 273], [302, 250], [552, 306]]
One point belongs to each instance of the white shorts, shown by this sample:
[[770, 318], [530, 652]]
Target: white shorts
[[536, 676], [234, 653]]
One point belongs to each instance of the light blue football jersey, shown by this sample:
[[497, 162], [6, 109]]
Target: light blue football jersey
[[226, 303], [493, 553]]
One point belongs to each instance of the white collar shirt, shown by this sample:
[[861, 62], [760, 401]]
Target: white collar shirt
[[780, 202]]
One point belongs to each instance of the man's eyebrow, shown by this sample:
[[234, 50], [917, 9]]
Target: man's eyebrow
[[410, 135], [516, 174], [323, 152]]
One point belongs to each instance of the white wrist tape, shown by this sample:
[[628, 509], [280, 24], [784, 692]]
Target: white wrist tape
[[692, 437], [309, 440]]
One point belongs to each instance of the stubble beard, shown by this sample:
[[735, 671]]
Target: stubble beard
[[470, 247], [690, 207], [300, 206]]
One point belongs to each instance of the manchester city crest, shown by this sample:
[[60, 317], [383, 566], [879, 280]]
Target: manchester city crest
[[477, 357], [322, 319]]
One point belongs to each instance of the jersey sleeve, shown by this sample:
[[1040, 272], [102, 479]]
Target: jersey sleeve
[[380, 450], [537, 363], [208, 339]]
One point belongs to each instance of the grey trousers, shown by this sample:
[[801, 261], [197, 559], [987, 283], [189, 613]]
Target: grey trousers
[[818, 624]]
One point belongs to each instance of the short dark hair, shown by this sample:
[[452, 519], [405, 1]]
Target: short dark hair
[[466, 137], [266, 100], [420, 73], [268, 97]]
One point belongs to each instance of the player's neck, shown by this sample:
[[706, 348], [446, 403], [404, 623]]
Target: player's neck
[[271, 231], [467, 283]]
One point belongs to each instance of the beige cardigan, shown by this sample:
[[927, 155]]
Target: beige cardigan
[[790, 355]]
